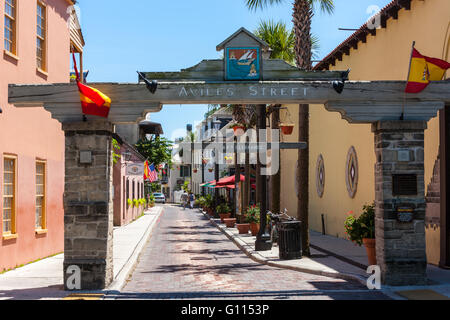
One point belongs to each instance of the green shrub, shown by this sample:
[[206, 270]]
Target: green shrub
[[363, 227], [223, 208], [253, 214]]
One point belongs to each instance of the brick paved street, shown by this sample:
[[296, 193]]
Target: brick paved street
[[188, 258]]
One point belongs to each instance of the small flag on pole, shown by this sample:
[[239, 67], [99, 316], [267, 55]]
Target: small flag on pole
[[423, 70], [150, 173]]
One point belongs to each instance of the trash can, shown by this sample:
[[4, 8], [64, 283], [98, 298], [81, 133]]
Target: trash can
[[289, 240]]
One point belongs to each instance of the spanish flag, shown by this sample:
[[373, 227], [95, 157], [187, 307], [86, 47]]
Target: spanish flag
[[146, 171], [93, 102], [423, 70]]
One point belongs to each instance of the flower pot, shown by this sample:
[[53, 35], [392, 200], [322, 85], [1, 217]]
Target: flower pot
[[230, 222], [210, 170], [254, 228], [224, 216], [239, 130], [371, 252], [243, 228], [287, 128]]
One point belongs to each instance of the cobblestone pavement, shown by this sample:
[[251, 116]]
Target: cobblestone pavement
[[188, 258]]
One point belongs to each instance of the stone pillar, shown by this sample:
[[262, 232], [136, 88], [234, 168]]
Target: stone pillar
[[88, 206], [400, 201]]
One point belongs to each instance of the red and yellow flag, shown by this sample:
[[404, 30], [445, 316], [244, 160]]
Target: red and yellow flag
[[423, 70], [146, 171], [93, 102]]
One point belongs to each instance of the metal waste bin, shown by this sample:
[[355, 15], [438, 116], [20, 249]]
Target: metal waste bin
[[289, 240]]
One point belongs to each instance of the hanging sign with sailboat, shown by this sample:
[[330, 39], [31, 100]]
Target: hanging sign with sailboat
[[243, 63]]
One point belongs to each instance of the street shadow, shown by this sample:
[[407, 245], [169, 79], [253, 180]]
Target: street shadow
[[260, 295], [50, 292], [195, 227], [208, 241], [212, 232], [208, 252], [193, 269]]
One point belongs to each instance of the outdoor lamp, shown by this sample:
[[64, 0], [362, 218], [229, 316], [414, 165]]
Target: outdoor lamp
[[267, 53], [151, 85], [338, 86], [216, 125], [126, 155]]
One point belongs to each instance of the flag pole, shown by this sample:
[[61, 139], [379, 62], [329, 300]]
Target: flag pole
[[407, 79]]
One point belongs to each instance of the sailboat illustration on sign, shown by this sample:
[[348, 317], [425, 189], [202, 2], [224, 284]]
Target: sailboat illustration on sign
[[246, 59], [242, 63]]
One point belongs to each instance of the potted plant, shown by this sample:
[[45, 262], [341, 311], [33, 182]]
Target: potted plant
[[151, 201], [287, 128], [361, 231], [252, 217], [238, 128], [209, 204], [210, 169], [230, 222], [224, 211], [243, 228]]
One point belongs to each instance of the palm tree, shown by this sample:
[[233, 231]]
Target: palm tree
[[303, 11], [279, 38]]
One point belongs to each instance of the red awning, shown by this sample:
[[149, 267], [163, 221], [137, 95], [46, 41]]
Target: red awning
[[232, 186], [229, 180]]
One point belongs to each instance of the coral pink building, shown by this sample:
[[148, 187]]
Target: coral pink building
[[127, 185], [35, 42]]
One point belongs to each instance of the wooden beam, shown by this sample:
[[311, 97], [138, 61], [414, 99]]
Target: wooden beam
[[134, 100]]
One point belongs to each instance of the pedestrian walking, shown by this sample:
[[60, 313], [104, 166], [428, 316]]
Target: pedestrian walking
[[191, 200], [184, 199]]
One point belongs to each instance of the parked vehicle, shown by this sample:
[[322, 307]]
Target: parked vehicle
[[159, 197]]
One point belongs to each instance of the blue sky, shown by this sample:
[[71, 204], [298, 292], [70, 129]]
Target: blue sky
[[150, 35]]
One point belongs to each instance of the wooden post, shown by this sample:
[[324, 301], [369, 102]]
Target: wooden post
[[263, 242], [237, 178], [276, 178]]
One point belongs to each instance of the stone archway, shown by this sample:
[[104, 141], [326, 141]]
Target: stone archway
[[400, 211]]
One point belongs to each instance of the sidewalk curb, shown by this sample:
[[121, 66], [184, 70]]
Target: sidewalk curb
[[252, 254], [121, 278]]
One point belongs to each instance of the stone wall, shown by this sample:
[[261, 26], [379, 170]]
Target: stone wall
[[401, 254], [88, 209]]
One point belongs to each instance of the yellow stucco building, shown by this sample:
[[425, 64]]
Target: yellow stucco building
[[381, 54]]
